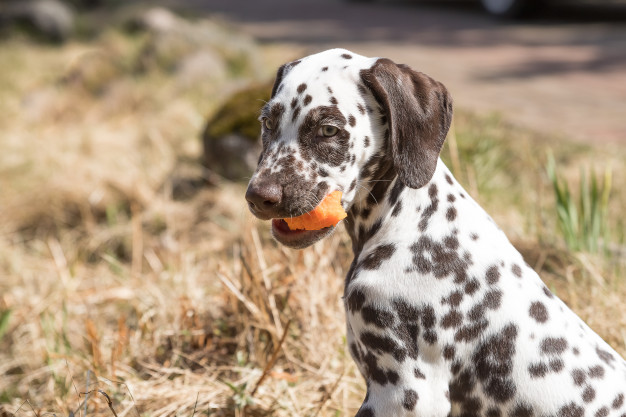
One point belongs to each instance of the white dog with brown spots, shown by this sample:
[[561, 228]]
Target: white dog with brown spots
[[444, 316]]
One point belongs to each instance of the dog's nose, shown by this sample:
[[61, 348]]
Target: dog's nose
[[264, 198]]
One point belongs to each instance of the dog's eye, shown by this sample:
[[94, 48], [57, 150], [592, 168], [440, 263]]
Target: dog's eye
[[327, 131], [267, 123]]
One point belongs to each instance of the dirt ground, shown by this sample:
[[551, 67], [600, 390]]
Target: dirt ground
[[561, 73]]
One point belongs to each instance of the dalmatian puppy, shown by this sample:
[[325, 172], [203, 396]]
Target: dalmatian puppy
[[444, 317]]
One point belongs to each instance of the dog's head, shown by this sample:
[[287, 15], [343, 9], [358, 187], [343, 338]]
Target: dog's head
[[335, 121]]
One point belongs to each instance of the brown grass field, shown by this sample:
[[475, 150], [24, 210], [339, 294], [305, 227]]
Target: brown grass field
[[157, 304]]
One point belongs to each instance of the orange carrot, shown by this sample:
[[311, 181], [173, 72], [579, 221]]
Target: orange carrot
[[328, 213]]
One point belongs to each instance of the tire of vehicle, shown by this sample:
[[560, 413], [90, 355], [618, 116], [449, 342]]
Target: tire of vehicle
[[513, 9]]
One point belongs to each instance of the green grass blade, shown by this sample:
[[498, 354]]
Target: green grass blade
[[5, 316]]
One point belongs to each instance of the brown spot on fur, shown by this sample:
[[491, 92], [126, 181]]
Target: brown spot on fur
[[295, 114], [410, 399], [538, 312], [589, 394], [547, 292], [596, 371], [451, 214], [452, 319], [538, 370], [448, 352], [472, 286], [571, 410], [553, 345], [579, 377], [556, 365], [602, 412], [376, 257], [494, 364], [431, 209], [355, 301], [492, 275], [454, 299], [522, 410], [377, 317]]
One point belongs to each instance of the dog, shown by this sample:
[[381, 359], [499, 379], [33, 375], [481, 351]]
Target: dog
[[444, 317]]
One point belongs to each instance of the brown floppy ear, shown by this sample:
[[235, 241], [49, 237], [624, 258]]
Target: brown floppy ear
[[419, 112], [280, 74], [279, 78]]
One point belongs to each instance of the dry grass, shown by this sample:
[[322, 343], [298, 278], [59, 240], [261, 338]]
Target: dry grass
[[174, 306]]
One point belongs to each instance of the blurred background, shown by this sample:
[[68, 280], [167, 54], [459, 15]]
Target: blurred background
[[133, 280]]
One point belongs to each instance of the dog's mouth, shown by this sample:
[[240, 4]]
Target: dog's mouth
[[297, 239]]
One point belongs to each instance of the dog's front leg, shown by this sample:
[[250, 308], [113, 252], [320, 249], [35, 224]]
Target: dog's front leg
[[401, 381]]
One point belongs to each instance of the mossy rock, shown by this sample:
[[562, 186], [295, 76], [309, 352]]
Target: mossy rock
[[231, 136], [239, 113]]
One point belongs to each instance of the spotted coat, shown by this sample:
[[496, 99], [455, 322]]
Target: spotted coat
[[444, 317]]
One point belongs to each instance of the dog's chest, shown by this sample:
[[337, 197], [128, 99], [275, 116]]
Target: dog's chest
[[445, 298]]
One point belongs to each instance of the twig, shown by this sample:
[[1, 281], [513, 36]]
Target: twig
[[60, 261], [541, 260], [328, 394], [87, 387], [272, 360], [22, 405], [106, 396], [74, 385], [195, 405], [588, 265], [266, 281], [137, 240], [249, 304]]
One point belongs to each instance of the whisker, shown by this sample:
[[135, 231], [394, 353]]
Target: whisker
[[315, 200], [368, 191]]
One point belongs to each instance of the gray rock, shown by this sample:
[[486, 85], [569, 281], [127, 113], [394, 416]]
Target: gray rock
[[172, 39], [156, 19], [233, 156], [50, 19], [231, 137], [201, 67]]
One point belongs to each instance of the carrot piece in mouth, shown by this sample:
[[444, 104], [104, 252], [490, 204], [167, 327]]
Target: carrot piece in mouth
[[328, 213]]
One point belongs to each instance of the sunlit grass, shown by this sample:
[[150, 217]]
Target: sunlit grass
[[582, 219], [173, 306]]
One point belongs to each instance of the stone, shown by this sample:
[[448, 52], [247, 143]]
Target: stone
[[230, 139], [51, 20]]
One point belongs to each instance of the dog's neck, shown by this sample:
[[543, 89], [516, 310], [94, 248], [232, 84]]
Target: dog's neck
[[388, 207]]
